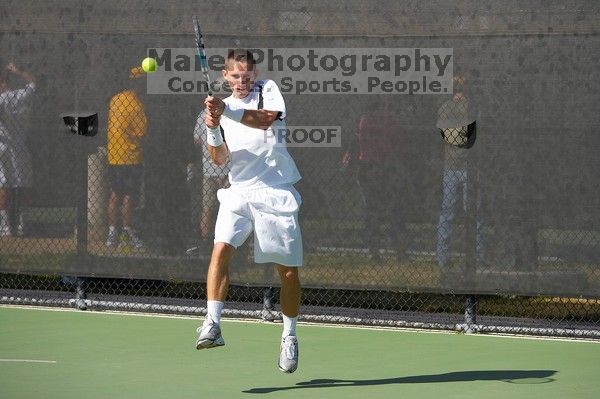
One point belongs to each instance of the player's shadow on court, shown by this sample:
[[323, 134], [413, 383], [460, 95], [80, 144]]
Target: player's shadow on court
[[510, 376]]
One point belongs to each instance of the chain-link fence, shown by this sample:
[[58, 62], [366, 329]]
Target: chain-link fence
[[475, 209]]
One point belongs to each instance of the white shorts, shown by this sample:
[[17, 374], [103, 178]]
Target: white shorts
[[272, 212]]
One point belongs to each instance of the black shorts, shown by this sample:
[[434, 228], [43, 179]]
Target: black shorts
[[125, 179]]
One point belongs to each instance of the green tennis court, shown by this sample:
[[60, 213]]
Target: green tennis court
[[70, 354]]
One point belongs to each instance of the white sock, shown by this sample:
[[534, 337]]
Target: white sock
[[289, 326], [214, 309]]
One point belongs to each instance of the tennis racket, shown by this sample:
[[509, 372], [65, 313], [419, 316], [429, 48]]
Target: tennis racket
[[201, 52]]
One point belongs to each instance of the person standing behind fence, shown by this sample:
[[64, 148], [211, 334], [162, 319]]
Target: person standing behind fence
[[214, 177], [16, 175], [127, 126], [457, 124], [379, 178]]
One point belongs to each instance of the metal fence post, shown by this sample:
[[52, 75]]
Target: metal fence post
[[80, 294], [470, 314], [82, 223], [268, 311]]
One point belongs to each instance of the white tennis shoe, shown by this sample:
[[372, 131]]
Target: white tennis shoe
[[288, 356], [209, 336]]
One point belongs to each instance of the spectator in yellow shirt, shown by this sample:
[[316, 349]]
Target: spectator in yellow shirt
[[127, 126]]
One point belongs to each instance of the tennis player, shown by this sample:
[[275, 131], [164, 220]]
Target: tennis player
[[262, 198]]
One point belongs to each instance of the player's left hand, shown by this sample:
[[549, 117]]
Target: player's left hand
[[214, 105]]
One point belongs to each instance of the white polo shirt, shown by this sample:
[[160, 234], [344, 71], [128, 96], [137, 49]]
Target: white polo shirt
[[256, 158]]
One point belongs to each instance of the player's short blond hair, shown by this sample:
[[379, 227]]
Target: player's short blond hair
[[241, 55]]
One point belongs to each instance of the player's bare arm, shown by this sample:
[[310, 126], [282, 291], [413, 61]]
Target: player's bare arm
[[259, 118], [217, 154], [255, 118]]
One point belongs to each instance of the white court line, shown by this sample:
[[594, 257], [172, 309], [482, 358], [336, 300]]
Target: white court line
[[27, 361], [310, 324]]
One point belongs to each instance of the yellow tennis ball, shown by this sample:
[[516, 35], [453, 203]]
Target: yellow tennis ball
[[149, 65]]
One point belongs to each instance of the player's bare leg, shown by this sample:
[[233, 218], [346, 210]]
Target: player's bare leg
[[113, 206], [290, 307], [113, 219], [127, 210], [290, 290], [127, 215], [217, 279], [217, 285]]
